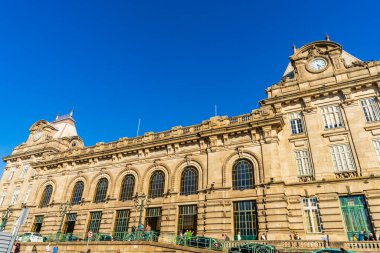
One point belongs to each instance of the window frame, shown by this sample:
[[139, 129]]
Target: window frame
[[332, 116], [154, 192], [337, 163], [240, 177], [46, 196], [189, 183], [101, 193], [127, 189], [76, 197], [300, 161], [310, 206], [296, 123], [371, 109]]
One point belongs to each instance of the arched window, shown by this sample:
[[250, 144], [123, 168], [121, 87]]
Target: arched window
[[189, 181], [127, 187], [77, 193], [46, 195], [101, 191], [157, 183], [242, 175]]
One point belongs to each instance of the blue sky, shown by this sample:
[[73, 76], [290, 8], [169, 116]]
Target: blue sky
[[166, 62]]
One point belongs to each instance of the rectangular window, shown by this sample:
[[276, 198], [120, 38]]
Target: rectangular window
[[187, 219], [304, 165], [37, 224], [14, 197], [332, 116], [311, 215], [94, 223], [70, 223], [24, 171], [121, 224], [2, 197], [342, 158], [371, 109], [296, 122], [245, 220], [153, 218], [377, 148], [11, 173]]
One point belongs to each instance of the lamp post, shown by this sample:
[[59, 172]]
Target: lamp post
[[63, 210], [5, 217], [140, 202]]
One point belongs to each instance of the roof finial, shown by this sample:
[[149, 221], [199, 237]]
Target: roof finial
[[72, 112], [57, 117], [294, 48], [327, 37]]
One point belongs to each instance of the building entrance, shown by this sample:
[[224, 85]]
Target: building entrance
[[37, 224], [153, 218], [187, 219], [70, 223], [355, 215], [245, 220]]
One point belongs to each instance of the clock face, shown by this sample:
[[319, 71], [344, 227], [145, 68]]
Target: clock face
[[318, 64], [37, 136]]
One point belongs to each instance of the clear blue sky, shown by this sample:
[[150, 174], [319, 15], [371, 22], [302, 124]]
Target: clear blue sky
[[166, 62]]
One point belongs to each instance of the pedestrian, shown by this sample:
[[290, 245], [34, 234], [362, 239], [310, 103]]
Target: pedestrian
[[14, 248], [263, 237], [371, 237], [355, 238], [47, 248], [223, 237], [148, 228], [133, 229], [239, 236], [361, 236], [34, 249], [55, 249], [226, 238], [18, 247], [365, 236], [290, 236]]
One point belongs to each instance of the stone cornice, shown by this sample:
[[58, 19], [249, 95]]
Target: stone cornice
[[324, 89], [216, 126]]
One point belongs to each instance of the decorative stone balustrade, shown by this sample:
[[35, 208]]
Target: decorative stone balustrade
[[367, 246]]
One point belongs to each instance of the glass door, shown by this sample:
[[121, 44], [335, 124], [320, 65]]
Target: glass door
[[355, 215]]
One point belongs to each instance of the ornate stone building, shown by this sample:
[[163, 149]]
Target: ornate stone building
[[306, 161]]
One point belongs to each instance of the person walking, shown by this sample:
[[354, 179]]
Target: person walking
[[55, 249], [361, 236], [239, 236], [18, 247], [47, 248], [263, 237], [34, 249]]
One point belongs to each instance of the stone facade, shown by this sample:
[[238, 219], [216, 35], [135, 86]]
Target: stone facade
[[311, 146]]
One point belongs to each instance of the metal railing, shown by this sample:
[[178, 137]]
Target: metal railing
[[199, 242]]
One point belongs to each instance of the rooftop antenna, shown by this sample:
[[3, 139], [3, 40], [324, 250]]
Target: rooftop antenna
[[216, 110], [72, 112], [138, 128]]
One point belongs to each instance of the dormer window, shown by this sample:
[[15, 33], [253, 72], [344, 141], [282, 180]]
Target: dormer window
[[74, 144]]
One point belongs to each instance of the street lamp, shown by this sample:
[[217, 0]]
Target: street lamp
[[63, 210], [140, 202], [5, 217]]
